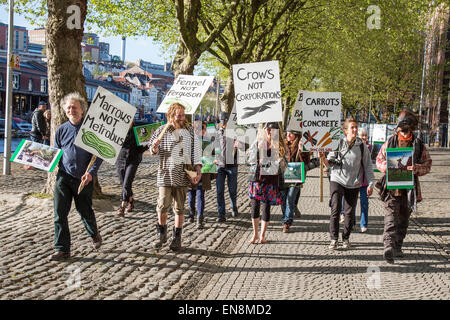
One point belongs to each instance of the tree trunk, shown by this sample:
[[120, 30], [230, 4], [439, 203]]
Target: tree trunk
[[65, 68], [227, 98]]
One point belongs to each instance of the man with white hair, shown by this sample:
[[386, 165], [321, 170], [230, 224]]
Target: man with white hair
[[72, 173]]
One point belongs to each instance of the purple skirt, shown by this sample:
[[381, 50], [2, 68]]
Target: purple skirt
[[267, 193]]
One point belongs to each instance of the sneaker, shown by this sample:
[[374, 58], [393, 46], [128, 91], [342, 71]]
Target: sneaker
[[234, 213], [333, 245], [346, 244], [221, 219], [398, 253], [286, 227], [363, 229], [200, 223], [388, 255], [297, 212], [342, 219]]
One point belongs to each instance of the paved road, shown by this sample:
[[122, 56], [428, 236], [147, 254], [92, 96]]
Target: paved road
[[218, 262]]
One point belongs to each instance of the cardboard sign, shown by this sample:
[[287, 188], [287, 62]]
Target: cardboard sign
[[105, 125], [37, 155], [144, 133], [379, 132], [296, 121], [187, 90], [397, 175], [295, 172], [321, 121], [257, 92]]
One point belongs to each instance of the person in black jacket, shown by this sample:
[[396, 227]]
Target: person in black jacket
[[39, 125], [129, 158]]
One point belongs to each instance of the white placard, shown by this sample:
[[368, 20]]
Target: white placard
[[296, 121], [321, 120], [105, 125], [187, 90], [379, 132], [242, 133], [257, 92]]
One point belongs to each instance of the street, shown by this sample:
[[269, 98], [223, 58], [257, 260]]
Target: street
[[219, 262]]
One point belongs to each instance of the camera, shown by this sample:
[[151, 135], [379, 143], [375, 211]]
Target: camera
[[335, 162]]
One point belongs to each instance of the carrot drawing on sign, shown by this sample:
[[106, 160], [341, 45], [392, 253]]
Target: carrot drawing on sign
[[326, 135], [327, 142]]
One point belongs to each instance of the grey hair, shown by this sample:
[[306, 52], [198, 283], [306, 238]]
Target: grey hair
[[363, 131], [74, 96]]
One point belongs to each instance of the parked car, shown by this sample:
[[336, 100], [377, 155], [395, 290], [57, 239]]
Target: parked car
[[24, 126], [14, 128]]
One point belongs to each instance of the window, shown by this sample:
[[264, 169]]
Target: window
[[1, 80], [43, 85], [25, 41], [16, 81], [30, 84], [16, 43]]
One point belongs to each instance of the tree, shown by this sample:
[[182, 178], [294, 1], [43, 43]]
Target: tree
[[65, 68], [87, 57]]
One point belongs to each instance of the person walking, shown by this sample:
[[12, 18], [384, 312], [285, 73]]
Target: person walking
[[196, 193], [128, 160], [38, 124], [345, 180], [72, 173], [176, 147], [363, 199], [399, 203], [227, 168], [48, 120], [266, 153], [292, 191]]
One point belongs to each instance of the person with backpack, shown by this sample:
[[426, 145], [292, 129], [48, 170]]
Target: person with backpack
[[345, 180], [399, 203]]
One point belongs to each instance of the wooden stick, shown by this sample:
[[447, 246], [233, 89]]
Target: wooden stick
[[80, 188], [163, 132], [321, 180]]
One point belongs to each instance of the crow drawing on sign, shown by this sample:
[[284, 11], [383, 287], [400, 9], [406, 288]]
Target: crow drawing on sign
[[251, 111]]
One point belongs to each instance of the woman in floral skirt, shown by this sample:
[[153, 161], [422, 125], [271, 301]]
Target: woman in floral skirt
[[268, 152]]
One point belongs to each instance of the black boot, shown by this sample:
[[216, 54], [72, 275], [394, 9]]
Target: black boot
[[200, 222], [162, 236], [176, 240]]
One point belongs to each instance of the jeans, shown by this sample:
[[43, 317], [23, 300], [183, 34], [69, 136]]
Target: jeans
[[66, 189], [342, 212], [232, 174], [337, 192], [199, 195], [364, 203], [126, 172], [289, 204]]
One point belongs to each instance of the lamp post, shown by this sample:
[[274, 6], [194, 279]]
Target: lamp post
[[8, 102]]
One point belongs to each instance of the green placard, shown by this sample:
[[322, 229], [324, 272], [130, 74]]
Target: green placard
[[144, 133], [397, 175], [295, 172], [37, 155]]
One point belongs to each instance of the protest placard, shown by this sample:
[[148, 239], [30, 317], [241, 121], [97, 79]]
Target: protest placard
[[144, 133], [37, 155], [187, 90], [397, 174], [105, 125], [296, 121], [379, 132], [295, 172], [321, 121], [242, 133], [257, 92]]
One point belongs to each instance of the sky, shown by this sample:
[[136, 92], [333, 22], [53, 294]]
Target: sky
[[138, 48]]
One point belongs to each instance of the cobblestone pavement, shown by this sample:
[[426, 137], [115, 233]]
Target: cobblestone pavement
[[218, 262]]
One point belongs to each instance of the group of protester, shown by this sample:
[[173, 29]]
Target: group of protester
[[179, 148]]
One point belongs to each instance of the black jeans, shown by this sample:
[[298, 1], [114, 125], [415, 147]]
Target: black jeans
[[350, 200], [265, 210], [126, 172], [396, 220], [66, 189]]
